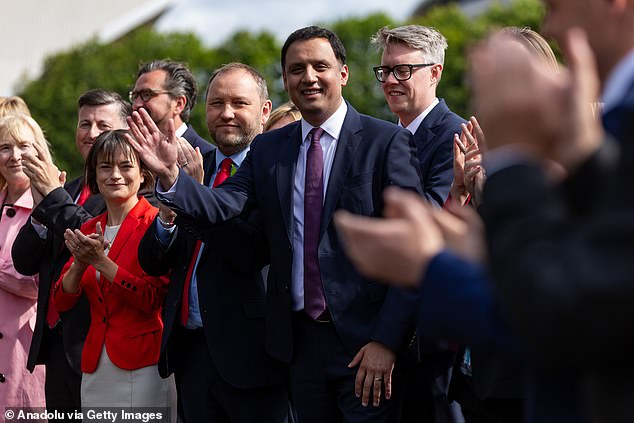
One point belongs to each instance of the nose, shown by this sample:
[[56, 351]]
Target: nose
[[391, 79], [16, 153], [94, 131], [227, 112], [310, 75], [137, 103], [116, 173]]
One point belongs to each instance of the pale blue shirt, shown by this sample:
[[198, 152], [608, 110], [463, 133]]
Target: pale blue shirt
[[332, 129], [165, 236]]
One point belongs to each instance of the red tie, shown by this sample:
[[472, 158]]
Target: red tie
[[221, 176], [85, 193]]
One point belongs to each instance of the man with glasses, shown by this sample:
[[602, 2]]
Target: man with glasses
[[411, 67], [167, 90]]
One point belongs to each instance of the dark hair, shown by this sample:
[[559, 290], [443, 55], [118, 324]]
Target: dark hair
[[310, 32], [105, 146], [178, 81], [99, 97], [257, 77]]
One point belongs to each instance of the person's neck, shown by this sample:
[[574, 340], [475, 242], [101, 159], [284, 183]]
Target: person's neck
[[117, 212], [14, 192]]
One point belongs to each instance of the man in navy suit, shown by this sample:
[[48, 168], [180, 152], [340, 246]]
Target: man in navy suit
[[216, 349], [167, 90], [412, 62], [339, 331]]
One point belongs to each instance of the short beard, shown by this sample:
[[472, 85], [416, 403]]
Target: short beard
[[233, 144]]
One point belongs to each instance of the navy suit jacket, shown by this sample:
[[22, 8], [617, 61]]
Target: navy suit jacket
[[231, 295], [434, 144], [197, 141], [371, 155]]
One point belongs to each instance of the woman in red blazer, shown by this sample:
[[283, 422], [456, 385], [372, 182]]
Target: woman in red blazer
[[122, 346]]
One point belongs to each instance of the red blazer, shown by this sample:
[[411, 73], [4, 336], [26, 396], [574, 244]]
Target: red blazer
[[125, 314]]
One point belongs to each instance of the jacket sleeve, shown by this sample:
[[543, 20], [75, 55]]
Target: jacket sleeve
[[28, 250], [57, 212]]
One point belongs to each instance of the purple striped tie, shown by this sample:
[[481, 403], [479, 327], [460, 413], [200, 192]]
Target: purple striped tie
[[314, 301]]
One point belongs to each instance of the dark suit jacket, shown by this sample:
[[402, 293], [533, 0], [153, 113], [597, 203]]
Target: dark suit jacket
[[197, 141], [231, 296], [434, 144], [125, 312], [371, 154], [32, 255], [562, 260]]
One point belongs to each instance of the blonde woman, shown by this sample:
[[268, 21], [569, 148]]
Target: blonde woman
[[19, 135]]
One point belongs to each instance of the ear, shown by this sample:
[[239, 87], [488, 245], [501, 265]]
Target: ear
[[436, 73], [284, 79], [345, 74], [181, 102], [266, 111]]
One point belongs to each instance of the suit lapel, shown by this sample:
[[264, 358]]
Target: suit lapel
[[349, 139], [426, 129], [209, 166], [287, 161], [128, 226]]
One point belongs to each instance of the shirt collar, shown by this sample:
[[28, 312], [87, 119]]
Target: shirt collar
[[618, 82], [25, 201], [332, 126], [413, 126], [236, 158], [181, 130]]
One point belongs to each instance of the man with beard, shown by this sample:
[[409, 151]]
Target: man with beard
[[167, 90], [213, 338]]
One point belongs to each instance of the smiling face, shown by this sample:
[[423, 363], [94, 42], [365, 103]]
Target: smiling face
[[235, 110], [92, 121], [11, 151], [408, 99], [313, 78], [118, 177]]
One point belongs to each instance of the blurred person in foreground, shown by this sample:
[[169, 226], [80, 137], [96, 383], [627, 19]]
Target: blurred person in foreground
[[561, 263]]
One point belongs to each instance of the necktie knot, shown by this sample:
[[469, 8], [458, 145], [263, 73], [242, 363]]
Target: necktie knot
[[224, 172], [315, 134]]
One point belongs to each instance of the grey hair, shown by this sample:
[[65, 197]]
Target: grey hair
[[178, 81], [426, 39]]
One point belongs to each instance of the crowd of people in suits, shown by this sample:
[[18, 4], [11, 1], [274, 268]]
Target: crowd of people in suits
[[316, 264]]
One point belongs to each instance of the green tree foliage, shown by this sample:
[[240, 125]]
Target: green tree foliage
[[52, 97]]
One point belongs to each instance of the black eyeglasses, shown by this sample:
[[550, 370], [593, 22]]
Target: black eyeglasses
[[146, 94], [401, 72]]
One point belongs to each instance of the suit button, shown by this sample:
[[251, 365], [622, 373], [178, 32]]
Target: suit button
[[2, 378], [286, 288], [122, 283], [127, 285], [100, 300], [134, 288], [103, 320]]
